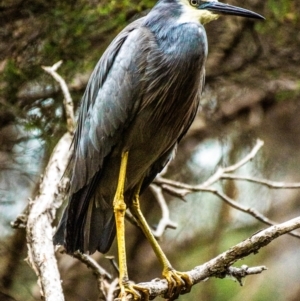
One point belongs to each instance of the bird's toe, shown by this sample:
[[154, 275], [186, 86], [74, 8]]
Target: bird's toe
[[130, 291], [178, 283]]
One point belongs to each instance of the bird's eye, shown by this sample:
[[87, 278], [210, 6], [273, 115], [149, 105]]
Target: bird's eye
[[194, 2]]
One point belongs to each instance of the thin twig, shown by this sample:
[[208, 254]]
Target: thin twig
[[93, 265], [165, 221], [249, 157], [68, 102], [101, 274], [216, 177], [239, 274], [182, 189], [268, 183], [251, 211]]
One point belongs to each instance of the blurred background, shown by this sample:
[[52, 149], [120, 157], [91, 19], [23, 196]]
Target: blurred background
[[252, 91]]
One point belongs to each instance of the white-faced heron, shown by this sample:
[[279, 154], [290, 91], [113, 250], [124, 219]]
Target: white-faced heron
[[139, 102]]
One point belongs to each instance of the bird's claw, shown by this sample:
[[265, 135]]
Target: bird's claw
[[137, 293], [178, 283]]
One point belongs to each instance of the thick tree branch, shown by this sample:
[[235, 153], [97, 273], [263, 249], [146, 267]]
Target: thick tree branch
[[39, 231], [220, 266], [42, 209]]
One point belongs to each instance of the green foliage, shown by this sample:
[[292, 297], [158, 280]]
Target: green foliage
[[13, 77], [279, 13], [75, 32], [282, 10]]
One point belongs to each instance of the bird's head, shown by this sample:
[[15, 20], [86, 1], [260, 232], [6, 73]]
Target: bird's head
[[205, 11]]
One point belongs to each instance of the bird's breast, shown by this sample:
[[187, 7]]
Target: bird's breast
[[173, 75]]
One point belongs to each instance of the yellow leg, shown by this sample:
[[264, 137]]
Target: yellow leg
[[178, 282], [119, 211]]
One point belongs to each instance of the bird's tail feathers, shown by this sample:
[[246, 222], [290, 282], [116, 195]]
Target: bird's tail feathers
[[86, 226]]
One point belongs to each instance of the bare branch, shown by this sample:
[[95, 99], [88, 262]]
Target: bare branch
[[239, 273], [41, 214], [101, 274], [217, 176], [111, 290], [68, 102], [93, 265], [251, 211], [249, 157], [181, 189], [220, 265], [268, 183], [165, 221]]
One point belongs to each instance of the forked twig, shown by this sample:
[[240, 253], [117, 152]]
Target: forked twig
[[181, 189], [165, 221]]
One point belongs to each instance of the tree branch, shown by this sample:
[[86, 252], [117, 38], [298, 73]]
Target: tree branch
[[42, 210], [165, 221], [268, 183], [68, 102], [181, 189], [39, 231], [101, 274], [220, 266]]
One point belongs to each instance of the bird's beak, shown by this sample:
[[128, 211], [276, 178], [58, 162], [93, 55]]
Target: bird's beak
[[226, 9]]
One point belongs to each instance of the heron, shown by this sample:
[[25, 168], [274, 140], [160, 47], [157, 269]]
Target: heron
[[139, 102]]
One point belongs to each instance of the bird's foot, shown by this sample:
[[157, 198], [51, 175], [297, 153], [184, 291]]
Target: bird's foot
[[130, 291], [178, 283]]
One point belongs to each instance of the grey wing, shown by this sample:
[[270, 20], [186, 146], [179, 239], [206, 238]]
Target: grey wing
[[110, 102]]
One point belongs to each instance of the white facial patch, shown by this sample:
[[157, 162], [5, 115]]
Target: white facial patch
[[193, 14]]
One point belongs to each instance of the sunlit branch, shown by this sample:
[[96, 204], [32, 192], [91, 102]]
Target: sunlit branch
[[111, 290], [39, 230], [42, 210]]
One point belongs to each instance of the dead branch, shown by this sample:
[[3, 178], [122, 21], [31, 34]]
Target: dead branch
[[93, 265], [216, 176], [165, 221], [220, 266], [42, 210], [239, 274], [181, 189], [68, 102], [268, 183], [39, 231], [101, 274]]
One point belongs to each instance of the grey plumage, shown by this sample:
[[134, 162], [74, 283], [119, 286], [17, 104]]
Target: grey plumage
[[142, 97]]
